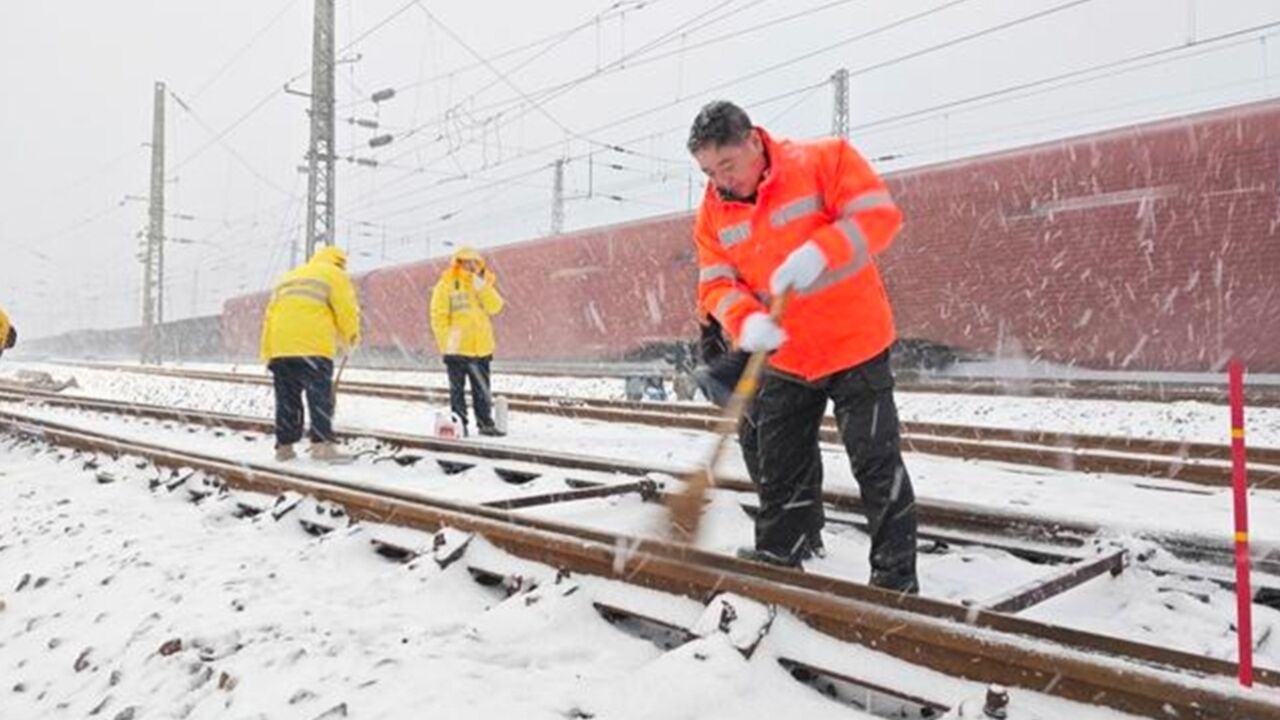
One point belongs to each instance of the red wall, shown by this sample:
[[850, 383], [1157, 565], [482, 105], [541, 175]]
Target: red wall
[[1148, 247]]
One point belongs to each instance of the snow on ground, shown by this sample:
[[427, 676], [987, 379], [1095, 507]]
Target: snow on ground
[[126, 604], [569, 386], [1025, 369], [726, 528], [1138, 604], [1123, 502], [302, 625], [1185, 421]]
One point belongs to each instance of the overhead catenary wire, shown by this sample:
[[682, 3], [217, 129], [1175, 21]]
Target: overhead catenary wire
[[1179, 52], [555, 37], [880, 65], [559, 88], [678, 101], [217, 136], [548, 164], [221, 140], [792, 61], [869, 68], [989, 95], [1015, 137], [974, 102], [633, 60], [550, 92], [243, 50], [503, 77], [100, 171], [278, 91]]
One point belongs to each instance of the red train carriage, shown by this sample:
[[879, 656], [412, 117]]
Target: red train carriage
[[1149, 247], [592, 294]]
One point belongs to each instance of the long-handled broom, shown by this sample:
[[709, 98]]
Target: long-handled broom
[[338, 379], [685, 508]]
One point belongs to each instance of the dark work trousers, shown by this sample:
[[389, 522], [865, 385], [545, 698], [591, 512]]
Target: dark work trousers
[[788, 414], [295, 377], [717, 379], [461, 368]]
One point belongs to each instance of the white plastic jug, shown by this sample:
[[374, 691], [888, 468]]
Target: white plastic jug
[[501, 411]]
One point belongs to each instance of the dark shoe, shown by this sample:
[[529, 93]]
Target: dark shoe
[[898, 584], [491, 431], [767, 557], [808, 552], [813, 547]]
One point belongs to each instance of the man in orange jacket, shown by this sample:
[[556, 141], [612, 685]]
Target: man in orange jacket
[[717, 376], [807, 218]]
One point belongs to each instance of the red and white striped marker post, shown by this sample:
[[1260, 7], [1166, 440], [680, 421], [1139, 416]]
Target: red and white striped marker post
[[1244, 594]]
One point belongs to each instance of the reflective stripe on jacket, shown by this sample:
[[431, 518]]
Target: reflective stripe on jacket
[[823, 191], [313, 310]]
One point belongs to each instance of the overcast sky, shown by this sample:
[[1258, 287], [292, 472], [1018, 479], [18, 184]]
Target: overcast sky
[[477, 129]]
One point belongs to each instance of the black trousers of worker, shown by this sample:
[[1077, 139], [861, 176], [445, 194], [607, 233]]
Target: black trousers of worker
[[717, 379], [295, 377], [788, 414], [461, 367]]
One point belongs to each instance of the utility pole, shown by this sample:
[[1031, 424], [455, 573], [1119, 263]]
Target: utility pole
[[557, 199], [160, 243], [153, 272], [321, 178], [195, 291], [840, 109]]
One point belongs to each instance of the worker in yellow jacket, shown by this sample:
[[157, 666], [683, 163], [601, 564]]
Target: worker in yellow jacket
[[461, 304], [8, 335], [313, 313]]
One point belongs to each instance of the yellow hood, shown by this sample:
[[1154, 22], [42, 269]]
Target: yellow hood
[[330, 255], [465, 253]]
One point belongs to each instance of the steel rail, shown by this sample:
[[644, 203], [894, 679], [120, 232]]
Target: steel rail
[[963, 642], [978, 521], [1192, 462]]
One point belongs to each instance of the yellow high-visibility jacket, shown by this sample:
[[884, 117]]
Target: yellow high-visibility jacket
[[4, 330], [313, 311], [460, 313]]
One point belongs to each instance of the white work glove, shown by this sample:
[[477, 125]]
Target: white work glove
[[760, 333], [478, 282], [799, 270]]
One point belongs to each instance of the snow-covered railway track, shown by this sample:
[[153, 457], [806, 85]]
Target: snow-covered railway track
[[1192, 462], [969, 642], [908, 381], [1026, 535], [1083, 389]]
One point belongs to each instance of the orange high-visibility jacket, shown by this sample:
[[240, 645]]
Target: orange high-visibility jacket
[[822, 191]]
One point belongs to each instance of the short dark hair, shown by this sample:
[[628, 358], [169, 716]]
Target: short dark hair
[[719, 123]]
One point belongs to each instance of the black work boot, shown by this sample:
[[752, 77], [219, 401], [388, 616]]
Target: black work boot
[[767, 557], [813, 547]]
